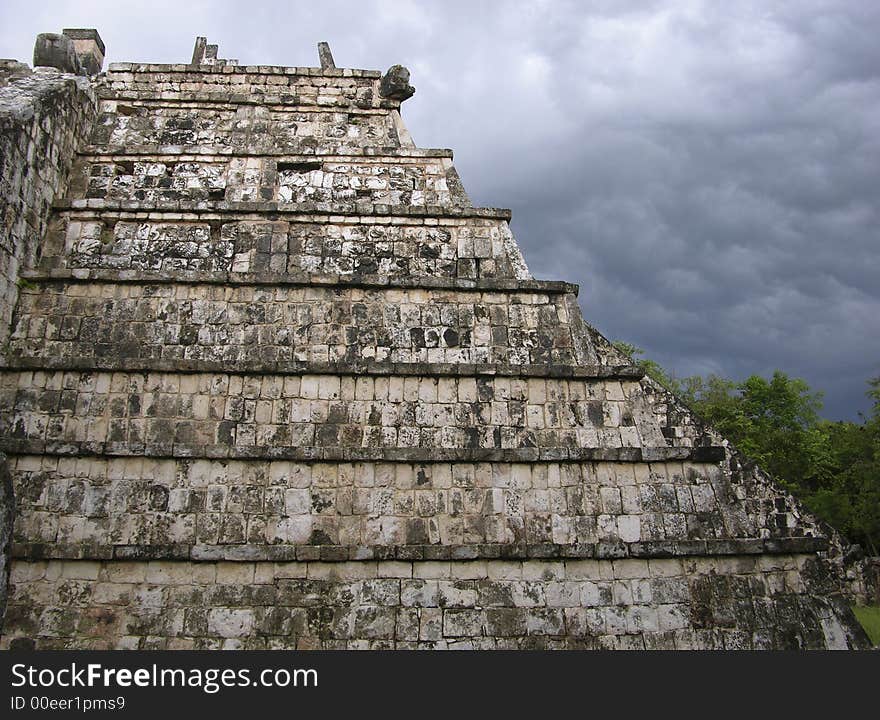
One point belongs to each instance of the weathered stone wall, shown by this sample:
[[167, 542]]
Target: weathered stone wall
[[349, 508], [259, 86], [210, 242], [218, 412], [405, 181], [44, 118], [252, 323], [275, 383], [155, 127], [7, 520], [739, 602]]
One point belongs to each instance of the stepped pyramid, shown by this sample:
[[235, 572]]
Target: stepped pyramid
[[273, 382]]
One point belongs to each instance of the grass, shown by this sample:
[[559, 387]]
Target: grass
[[869, 617]]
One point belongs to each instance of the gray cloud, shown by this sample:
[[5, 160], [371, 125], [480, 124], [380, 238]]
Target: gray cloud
[[707, 172]]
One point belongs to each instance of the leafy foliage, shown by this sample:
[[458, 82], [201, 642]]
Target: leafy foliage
[[651, 368], [869, 617], [834, 467]]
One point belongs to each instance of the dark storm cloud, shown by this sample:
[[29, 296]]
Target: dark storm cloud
[[708, 172]]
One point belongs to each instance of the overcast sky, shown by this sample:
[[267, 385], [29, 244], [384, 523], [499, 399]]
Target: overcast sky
[[708, 172]]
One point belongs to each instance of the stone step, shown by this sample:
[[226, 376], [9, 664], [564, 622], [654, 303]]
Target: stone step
[[395, 181], [197, 125], [335, 89], [241, 506], [84, 500], [247, 322], [353, 412], [379, 248]]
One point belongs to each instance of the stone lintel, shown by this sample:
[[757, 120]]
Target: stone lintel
[[463, 553], [57, 51], [89, 48], [226, 98], [419, 369], [309, 208], [378, 282], [85, 34], [709, 455]]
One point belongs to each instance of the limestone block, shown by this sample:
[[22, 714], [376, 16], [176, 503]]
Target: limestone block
[[57, 51]]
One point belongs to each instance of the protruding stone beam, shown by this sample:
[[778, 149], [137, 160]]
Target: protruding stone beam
[[418, 369], [57, 51], [89, 48], [79, 51], [305, 208], [394, 84], [325, 56], [310, 453], [419, 552], [199, 50], [205, 54], [294, 279]]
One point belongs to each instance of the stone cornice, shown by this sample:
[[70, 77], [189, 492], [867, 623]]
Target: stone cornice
[[345, 553], [378, 282], [710, 454], [147, 68], [419, 369], [342, 209], [178, 153]]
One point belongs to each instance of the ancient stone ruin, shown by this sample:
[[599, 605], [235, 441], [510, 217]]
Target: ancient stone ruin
[[271, 381]]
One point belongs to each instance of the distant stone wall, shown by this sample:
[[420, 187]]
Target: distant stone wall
[[44, 118], [734, 603]]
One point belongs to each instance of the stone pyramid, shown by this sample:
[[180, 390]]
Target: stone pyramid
[[273, 382]]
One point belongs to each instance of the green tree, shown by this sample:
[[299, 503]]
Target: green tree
[[650, 367], [834, 467], [849, 497], [775, 422]]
